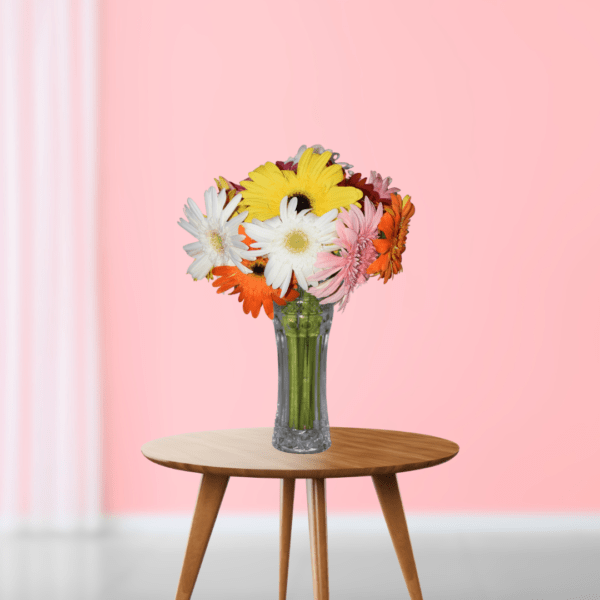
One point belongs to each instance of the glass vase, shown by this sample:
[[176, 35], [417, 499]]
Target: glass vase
[[302, 332]]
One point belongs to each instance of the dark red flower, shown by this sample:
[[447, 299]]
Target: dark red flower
[[287, 166], [360, 182]]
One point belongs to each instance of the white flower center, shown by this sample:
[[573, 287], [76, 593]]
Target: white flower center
[[216, 241], [296, 241]]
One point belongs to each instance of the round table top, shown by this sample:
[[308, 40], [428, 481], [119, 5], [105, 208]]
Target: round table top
[[250, 453]]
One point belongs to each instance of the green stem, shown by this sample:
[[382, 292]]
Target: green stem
[[308, 389], [299, 382], [319, 348], [292, 341], [302, 326], [305, 381]]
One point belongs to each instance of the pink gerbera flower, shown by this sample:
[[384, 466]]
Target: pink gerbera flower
[[341, 275], [380, 185]]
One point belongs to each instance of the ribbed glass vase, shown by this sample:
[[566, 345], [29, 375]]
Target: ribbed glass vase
[[302, 332]]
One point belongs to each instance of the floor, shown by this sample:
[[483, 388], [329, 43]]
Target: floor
[[452, 566]]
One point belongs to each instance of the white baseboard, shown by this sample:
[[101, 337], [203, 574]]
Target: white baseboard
[[368, 523]]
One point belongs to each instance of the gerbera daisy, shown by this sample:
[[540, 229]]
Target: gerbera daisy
[[344, 273], [318, 149], [358, 181], [381, 187], [287, 166], [218, 240], [292, 241], [394, 227], [314, 185], [252, 287], [231, 188]]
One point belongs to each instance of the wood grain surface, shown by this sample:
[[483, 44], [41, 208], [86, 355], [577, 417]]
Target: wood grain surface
[[388, 493], [212, 490], [317, 529], [354, 452], [286, 516]]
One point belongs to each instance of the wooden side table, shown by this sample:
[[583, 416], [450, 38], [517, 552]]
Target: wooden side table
[[219, 455]]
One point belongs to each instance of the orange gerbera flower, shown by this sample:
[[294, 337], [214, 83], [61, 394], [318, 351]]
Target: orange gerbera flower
[[394, 226], [252, 288]]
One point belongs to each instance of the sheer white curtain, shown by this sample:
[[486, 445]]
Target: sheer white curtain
[[49, 372]]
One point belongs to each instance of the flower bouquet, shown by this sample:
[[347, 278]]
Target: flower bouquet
[[296, 238]]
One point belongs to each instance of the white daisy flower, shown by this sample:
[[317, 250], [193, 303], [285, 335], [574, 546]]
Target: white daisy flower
[[219, 243], [292, 241]]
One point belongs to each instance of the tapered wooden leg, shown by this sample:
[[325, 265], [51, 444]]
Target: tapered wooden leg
[[286, 514], [210, 497], [391, 504], [317, 526]]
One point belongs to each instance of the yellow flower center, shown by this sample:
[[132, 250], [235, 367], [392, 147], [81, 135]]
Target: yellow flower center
[[216, 241], [296, 241]]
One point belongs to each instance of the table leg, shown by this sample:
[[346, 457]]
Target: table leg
[[317, 527], [391, 504], [209, 501], [285, 532]]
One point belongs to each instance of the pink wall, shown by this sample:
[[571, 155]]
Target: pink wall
[[487, 114]]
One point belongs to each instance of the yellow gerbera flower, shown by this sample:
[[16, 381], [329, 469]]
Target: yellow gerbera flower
[[315, 185]]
